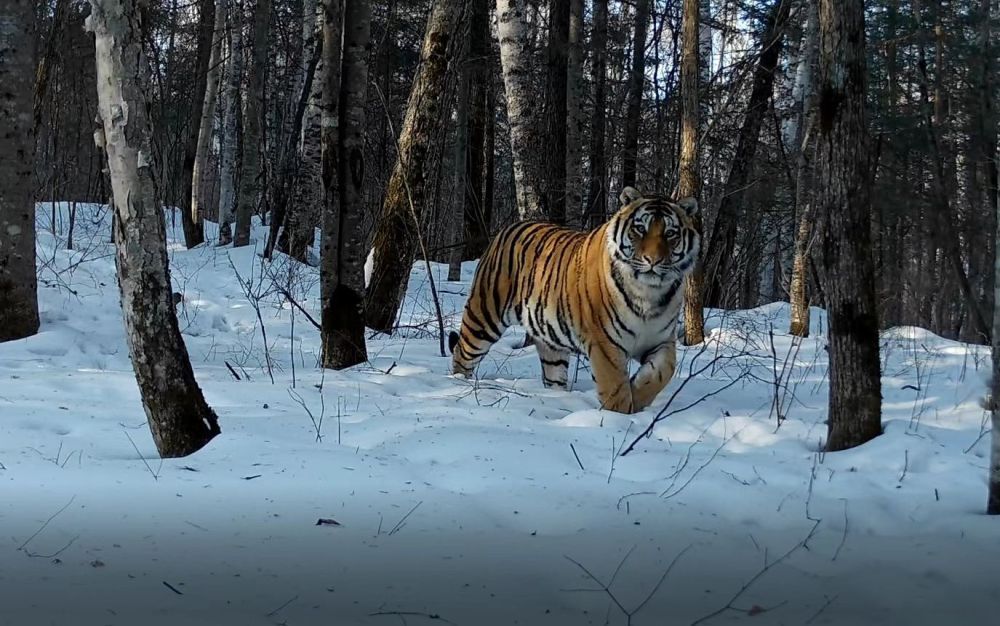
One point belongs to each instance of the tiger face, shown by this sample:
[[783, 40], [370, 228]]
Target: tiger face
[[653, 237]]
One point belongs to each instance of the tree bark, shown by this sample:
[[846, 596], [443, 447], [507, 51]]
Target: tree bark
[[690, 166], [207, 123], [397, 230], [597, 194], [844, 256], [478, 201], [993, 497], [307, 190], [342, 279], [515, 62], [194, 229], [719, 253], [460, 161], [803, 97], [18, 284], [179, 418], [556, 110], [231, 121], [251, 187], [575, 119], [636, 84]]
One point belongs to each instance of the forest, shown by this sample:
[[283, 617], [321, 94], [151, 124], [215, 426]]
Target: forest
[[336, 286]]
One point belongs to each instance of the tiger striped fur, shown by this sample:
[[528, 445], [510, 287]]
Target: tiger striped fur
[[613, 294]]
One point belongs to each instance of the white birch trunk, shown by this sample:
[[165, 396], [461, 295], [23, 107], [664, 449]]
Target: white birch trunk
[[522, 102], [230, 123], [179, 418], [207, 124]]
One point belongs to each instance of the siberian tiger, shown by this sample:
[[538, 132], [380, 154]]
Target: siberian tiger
[[613, 294]]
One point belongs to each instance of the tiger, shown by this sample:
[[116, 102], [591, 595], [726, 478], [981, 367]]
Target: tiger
[[612, 294]]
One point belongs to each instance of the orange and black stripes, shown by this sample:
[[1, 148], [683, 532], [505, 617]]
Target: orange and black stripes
[[612, 294]]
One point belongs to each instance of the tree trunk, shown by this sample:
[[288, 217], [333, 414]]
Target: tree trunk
[[690, 166], [251, 176], [342, 278], [597, 195], [719, 253], [460, 161], [207, 115], [803, 97], [993, 499], [844, 256], [556, 110], [575, 119], [179, 418], [636, 83], [478, 203], [307, 189], [194, 229], [18, 284], [515, 62], [231, 121], [398, 228]]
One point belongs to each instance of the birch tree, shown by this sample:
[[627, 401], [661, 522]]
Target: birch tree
[[18, 285], [342, 279], [231, 120], [207, 125], [398, 229], [179, 418], [844, 255], [522, 105], [251, 187]]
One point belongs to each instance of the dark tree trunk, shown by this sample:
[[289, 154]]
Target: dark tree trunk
[[719, 252], [194, 229], [844, 255], [251, 175], [397, 230], [690, 169], [478, 204], [18, 284], [179, 418], [555, 110], [636, 84], [597, 196]]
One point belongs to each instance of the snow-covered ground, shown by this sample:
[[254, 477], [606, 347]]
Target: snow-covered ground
[[473, 503]]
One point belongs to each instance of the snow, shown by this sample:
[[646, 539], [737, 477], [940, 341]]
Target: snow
[[464, 499]]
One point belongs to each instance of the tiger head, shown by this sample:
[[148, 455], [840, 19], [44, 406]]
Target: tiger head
[[653, 237]]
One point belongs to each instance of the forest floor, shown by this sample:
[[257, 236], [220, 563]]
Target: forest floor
[[483, 502]]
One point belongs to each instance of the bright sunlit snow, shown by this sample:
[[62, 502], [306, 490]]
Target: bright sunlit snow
[[469, 502]]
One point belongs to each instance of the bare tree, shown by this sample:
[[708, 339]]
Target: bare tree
[[207, 124], [398, 227], [251, 176], [844, 255], [194, 230], [480, 63], [522, 103], [636, 86], [231, 120], [18, 285], [342, 280], [179, 418], [993, 499], [597, 194], [690, 166], [556, 113], [575, 119]]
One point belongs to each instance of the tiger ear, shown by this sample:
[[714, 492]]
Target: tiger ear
[[690, 206], [629, 194]]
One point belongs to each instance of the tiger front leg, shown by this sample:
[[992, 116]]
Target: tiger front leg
[[656, 371], [610, 369]]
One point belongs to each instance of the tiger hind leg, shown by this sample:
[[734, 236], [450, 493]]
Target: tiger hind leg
[[470, 345], [555, 365]]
